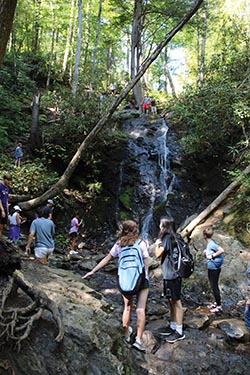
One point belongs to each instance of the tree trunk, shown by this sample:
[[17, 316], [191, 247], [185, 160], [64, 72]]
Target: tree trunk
[[96, 43], [52, 43], [78, 49], [86, 34], [202, 31], [7, 10], [36, 25], [63, 181], [136, 50], [35, 134], [186, 231], [167, 74], [69, 38]]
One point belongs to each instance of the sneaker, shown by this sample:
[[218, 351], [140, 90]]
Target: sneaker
[[217, 309], [139, 346], [212, 305], [168, 331], [176, 336], [128, 338], [73, 252]]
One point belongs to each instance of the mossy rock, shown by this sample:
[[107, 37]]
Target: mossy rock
[[237, 223]]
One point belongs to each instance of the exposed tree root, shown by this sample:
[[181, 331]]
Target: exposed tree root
[[16, 323]]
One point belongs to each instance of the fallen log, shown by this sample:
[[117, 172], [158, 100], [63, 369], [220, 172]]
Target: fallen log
[[191, 226]]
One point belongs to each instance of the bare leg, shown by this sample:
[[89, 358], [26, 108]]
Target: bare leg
[[73, 243], [128, 303], [42, 260], [177, 312], [140, 312]]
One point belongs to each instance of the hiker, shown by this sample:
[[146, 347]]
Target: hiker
[[4, 194], [42, 230], [18, 154], [50, 206], [75, 224], [153, 107], [129, 235], [145, 104], [214, 259], [247, 308], [166, 248], [15, 220]]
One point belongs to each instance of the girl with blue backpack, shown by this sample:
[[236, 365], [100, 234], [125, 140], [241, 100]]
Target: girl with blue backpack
[[129, 238]]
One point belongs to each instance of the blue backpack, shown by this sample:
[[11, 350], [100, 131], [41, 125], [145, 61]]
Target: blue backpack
[[131, 270]]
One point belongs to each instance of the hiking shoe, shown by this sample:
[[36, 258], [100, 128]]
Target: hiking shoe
[[169, 331], [217, 309], [176, 336], [128, 338], [73, 252], [139, 346], [212, 305]]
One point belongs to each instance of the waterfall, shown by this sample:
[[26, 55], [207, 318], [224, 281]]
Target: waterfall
[[158, 188], [149, 215], [146, 171]]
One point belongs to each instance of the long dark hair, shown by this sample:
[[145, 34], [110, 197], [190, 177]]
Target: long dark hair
[[167, 226]]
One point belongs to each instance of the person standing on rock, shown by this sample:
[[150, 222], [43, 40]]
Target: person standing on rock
[[166, 248], [42, 230], [15, 220], [214, 259], [129, 235], [4, 194], [75, 224], [247, 309]]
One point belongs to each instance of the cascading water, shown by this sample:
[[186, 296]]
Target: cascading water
[[159, 187], [146, 171]]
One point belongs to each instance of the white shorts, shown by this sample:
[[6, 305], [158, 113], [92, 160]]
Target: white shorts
[[41, 252]]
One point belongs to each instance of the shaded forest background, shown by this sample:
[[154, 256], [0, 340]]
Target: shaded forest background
[[61, 56]]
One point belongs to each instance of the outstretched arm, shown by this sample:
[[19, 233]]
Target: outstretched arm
[[100, 265]]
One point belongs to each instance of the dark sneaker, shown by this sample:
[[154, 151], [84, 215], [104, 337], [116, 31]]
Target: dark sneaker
[[168, 331], [176, 336], [139, 346]]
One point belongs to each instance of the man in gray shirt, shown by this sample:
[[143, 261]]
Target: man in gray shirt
[[43, 230]]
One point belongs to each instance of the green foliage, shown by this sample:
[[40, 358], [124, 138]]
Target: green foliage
[[126, 198], [31, 179]]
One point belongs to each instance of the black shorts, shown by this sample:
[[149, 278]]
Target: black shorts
[[4, 220], [73, 235], [172, 289], [145, 284]]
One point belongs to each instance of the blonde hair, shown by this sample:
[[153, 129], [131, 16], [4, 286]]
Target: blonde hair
[[129, 233]]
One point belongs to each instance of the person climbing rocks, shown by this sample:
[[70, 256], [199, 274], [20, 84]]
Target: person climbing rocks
[[129, 235], [4, 194], [167, 249]]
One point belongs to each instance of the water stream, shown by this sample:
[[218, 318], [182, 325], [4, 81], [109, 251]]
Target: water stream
[[149, 167]]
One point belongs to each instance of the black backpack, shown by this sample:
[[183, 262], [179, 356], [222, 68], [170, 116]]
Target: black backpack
[[186, 260], [177, 260]]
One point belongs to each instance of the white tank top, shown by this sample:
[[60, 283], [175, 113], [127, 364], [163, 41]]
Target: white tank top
[[12, 219]]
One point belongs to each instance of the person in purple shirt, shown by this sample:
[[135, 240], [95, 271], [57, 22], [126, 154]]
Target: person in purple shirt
[[4, 193], [74, 227]]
